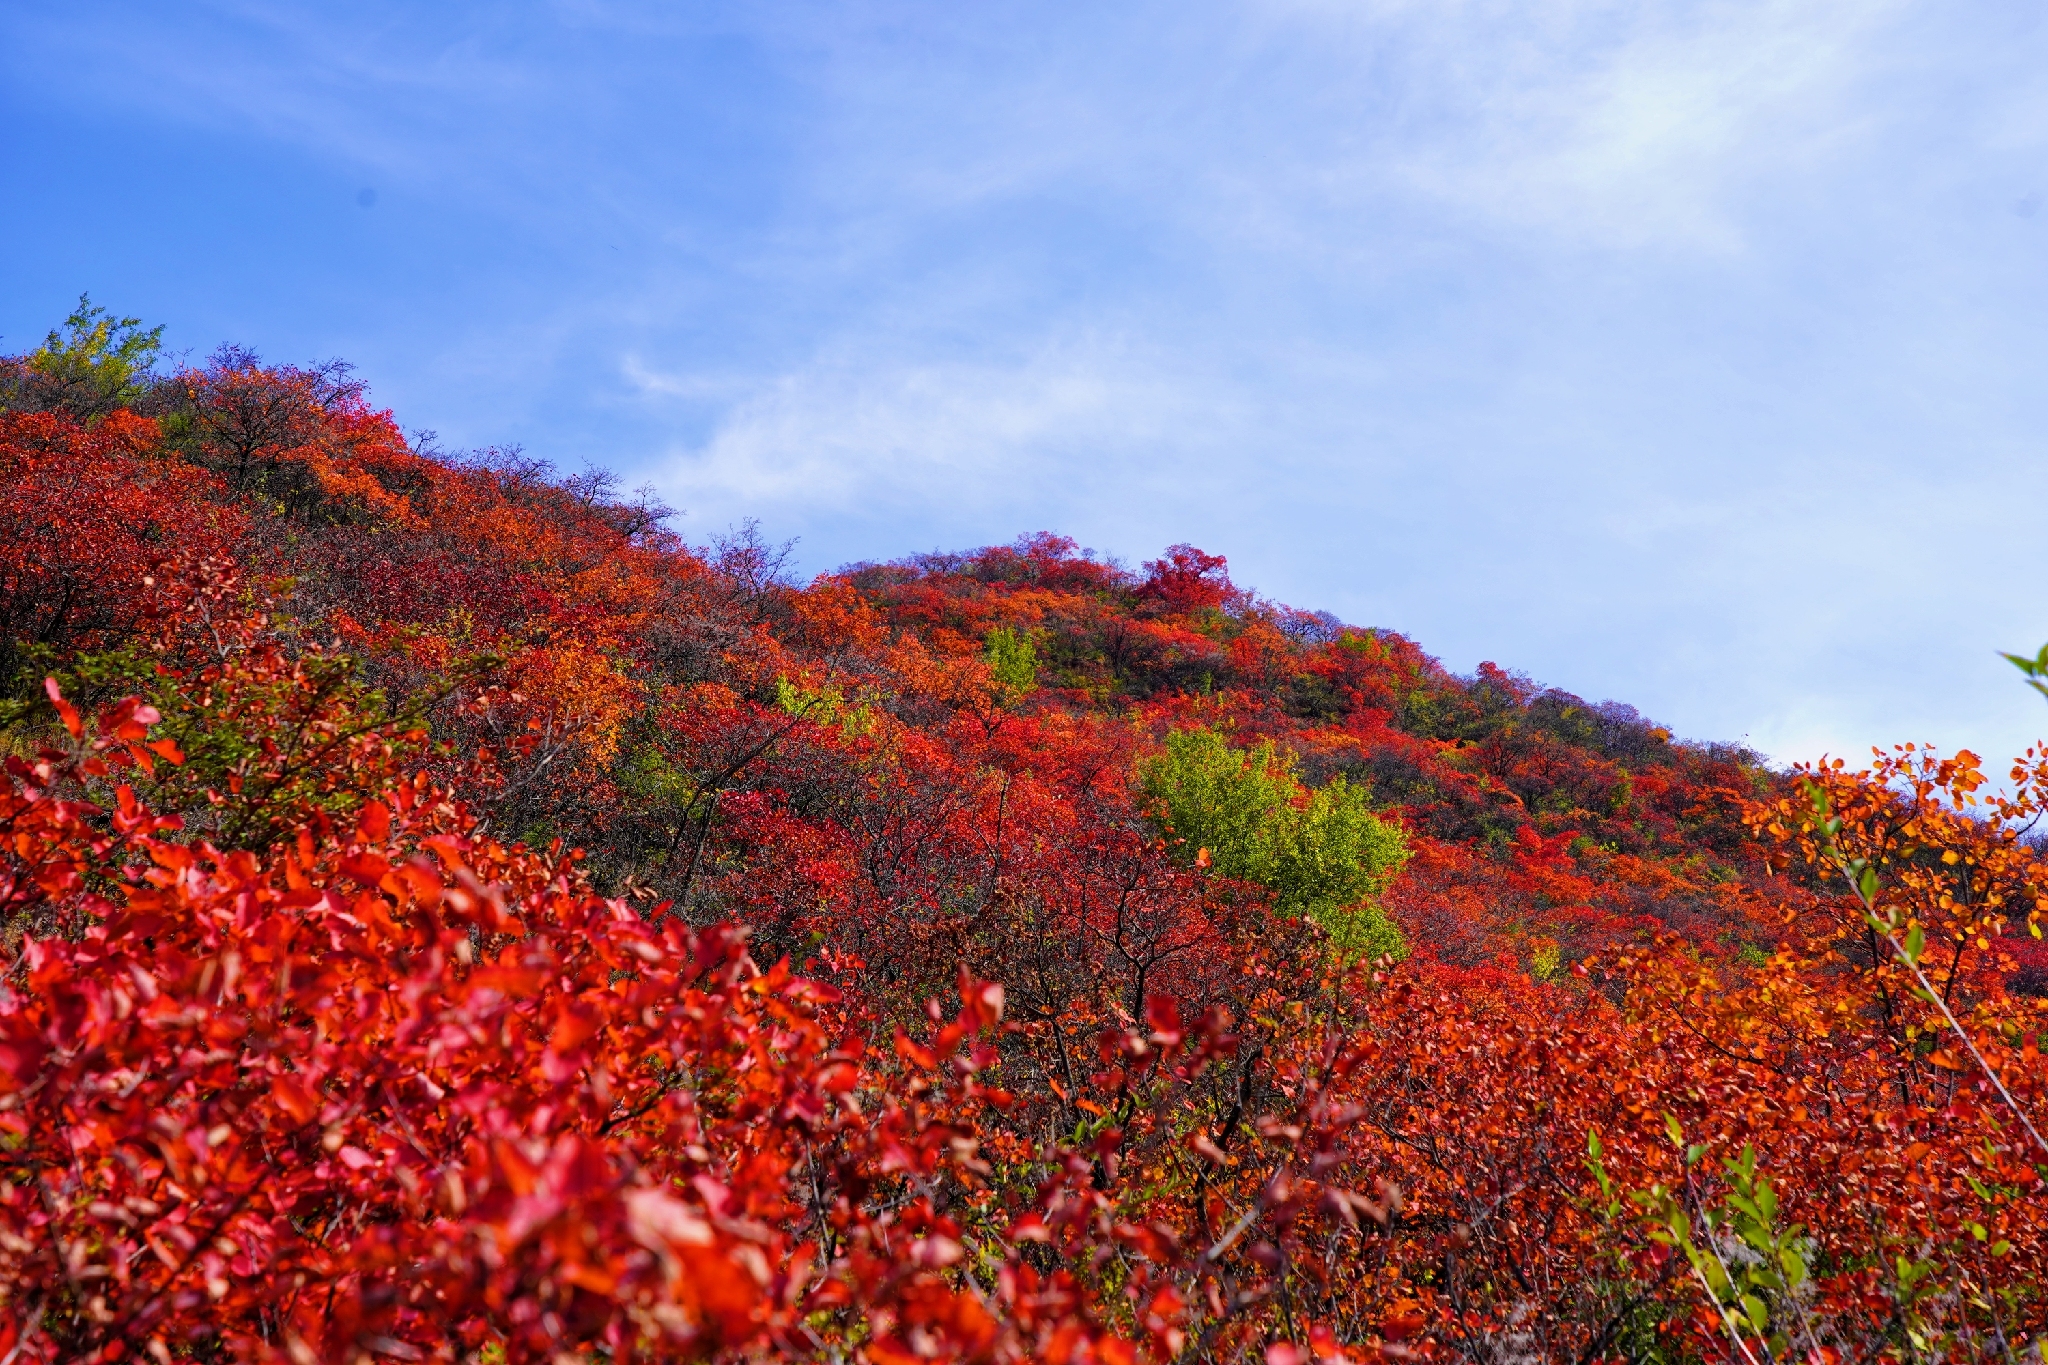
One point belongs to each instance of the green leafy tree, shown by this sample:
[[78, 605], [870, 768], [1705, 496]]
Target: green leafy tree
[[1242, 812], [1012, 661], [96, 364]]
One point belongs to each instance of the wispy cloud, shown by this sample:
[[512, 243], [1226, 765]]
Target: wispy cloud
[[858, 436], [1617, 126], [1658, 131]]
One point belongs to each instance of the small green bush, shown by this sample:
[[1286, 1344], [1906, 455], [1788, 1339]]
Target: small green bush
[[1012, 661], [1323, 853]]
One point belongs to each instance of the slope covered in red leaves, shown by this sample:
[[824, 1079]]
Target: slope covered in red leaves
[[449, 917]]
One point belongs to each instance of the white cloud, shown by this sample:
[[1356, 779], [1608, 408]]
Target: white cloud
[[1622, 125], [859, 435]]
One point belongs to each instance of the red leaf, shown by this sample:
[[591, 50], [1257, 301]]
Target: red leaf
[[64, 709]]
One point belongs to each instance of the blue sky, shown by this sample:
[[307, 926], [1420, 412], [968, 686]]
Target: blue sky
[[1688, 354]]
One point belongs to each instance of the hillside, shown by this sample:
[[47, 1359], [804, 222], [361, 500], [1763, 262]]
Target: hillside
[[450, 916]]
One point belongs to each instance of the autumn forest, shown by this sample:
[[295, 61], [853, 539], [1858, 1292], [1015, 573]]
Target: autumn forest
[[451, 916]]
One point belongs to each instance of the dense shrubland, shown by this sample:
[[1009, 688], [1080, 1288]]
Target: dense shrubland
[[446, 916]]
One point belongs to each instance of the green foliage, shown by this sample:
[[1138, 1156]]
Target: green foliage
[[827, 705], [99, 362], [1322, 853], [1754, 1271], [262, 741], [2035, 669], [1012, 661], [653, 778]]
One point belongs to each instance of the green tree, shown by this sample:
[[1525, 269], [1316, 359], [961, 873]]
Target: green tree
[[1322, 853], [1012, 661], [98, 363]]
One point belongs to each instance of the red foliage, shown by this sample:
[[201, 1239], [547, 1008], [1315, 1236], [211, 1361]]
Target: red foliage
[[309, 1051], [404, 1089], [95, 526], [1187, 579]]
